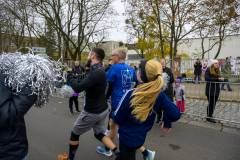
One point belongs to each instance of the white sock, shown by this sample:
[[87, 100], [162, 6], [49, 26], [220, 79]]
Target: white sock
[[117, 133], [107, 132]]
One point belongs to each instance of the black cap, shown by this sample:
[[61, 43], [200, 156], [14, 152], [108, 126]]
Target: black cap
[[198, 59]]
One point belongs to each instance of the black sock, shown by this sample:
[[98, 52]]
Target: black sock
[[72, 151], [116, 151], [145, 153], [106, 148]]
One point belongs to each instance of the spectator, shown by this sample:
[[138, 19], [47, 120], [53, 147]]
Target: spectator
[[78, 69], [226, 70], [109, 65], [134, 67], [197, 71], [65, 73], [179, 94], [169, 90], [212, 76], [13, 107], [74, 99]]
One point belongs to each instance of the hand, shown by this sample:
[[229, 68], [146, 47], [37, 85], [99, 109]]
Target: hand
[[195, 64], [200, 63], [76, 74], [220, 79], [166, 130], [70, 76], [83, 73]]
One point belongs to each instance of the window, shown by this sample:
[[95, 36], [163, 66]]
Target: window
[[134, 57], [11, 43], [113, 45]]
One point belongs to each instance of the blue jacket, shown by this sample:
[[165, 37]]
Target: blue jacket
[[133, 132]]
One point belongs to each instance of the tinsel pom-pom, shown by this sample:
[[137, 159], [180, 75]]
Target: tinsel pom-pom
[[66, 91], [166, 80], [33, 70]]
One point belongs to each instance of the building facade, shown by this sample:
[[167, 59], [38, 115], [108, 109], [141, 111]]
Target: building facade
[[230, 47]]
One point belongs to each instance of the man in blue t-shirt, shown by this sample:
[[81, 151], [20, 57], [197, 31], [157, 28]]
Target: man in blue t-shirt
[[120, 78]]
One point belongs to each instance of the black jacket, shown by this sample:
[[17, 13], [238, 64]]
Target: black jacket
[[13, 138], [79, 70], [169, 90], [212, 88], [94, 85], [198, 68]]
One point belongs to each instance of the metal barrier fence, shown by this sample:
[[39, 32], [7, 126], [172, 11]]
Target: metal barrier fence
[[196, 104], [227, 104], [187, 66]]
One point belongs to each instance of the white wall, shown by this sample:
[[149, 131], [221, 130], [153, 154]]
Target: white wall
[[230, 47]]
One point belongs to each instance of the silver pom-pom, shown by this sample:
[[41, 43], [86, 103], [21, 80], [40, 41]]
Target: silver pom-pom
[[166, 80], [38, 72], [66, 91]]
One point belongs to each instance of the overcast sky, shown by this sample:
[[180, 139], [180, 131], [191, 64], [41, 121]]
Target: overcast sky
[[119, 34]]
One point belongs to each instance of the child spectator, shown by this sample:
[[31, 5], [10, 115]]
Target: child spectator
[[179, 94], [75, 99]]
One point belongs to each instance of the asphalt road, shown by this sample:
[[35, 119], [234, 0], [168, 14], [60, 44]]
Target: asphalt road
[[49, 128]]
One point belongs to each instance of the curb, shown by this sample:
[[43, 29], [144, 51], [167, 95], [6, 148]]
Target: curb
[[204, 124]]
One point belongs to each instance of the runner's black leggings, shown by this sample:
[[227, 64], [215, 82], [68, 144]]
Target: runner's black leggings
[[126, 152]]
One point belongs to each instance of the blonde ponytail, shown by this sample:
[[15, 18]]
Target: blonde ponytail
[[146, 93]]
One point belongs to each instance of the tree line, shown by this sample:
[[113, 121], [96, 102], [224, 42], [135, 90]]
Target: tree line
[[161, 25], [65, 26]]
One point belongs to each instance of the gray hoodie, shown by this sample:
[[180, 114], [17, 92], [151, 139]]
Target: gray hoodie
[[179, 93]]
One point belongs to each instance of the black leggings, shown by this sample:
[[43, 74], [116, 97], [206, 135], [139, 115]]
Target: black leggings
[[212, 100], [75, 100], [126, 152]]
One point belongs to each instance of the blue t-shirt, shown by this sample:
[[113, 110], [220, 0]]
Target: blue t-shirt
[[122, 77]]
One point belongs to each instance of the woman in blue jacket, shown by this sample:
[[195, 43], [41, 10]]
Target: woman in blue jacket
[[137, 110]]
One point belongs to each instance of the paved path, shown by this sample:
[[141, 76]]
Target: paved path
[[49, 130]]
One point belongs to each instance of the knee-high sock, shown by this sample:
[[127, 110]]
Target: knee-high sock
[[73, 148], [72, 151]]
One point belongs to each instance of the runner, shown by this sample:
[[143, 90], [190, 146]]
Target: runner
[[120, 78], [96, 108], [138, 108]]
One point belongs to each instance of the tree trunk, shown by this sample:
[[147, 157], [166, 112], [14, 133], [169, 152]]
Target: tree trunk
[[202, 48], [219, 49], [79, 55], [160, 31], [175, 47], [59, 45]]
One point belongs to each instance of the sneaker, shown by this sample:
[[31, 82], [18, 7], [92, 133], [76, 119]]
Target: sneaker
[[103, 150], [230, 90], [211, 120], [151, 155], [223, 89], [63, 157], [71, 112], [158, 122], [77, 111]]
